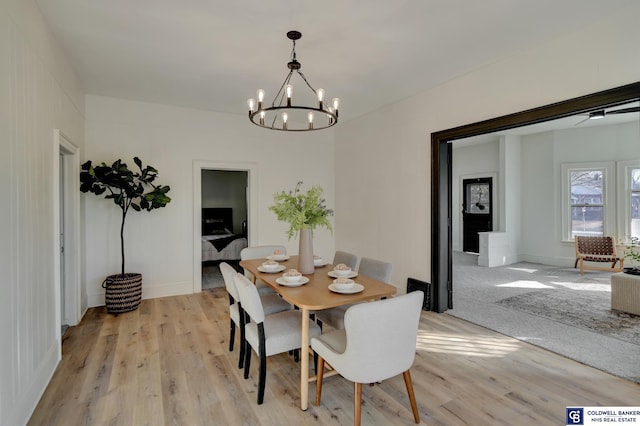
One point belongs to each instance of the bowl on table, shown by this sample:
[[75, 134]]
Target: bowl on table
[[318, 261], [270, 265], [292, 276], [343, 284], [278, 255], [342, 270]]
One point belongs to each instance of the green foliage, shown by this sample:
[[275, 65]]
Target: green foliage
[[633, 252], [302, 209], [127, 188]]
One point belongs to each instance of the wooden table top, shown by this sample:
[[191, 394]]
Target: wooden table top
[[315, 295]]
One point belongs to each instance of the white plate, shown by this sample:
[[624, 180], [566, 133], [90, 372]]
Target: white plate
[[302, 281], [279, 259], [320, 265], [357, 288], [280, 268], [334, 275]]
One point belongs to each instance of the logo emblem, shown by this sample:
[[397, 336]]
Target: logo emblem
[[575, 416]]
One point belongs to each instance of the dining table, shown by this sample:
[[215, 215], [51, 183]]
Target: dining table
[[315, 295]]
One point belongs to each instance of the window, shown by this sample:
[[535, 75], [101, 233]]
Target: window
[[635, 202], [587, 202], [629, 200]]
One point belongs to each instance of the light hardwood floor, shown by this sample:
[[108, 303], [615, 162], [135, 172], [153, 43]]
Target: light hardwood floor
[[168, 363]]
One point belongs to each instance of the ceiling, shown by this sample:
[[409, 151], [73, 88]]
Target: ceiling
[[213, 55]]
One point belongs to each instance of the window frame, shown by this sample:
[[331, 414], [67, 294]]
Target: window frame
[[624, 169], [608, 196]]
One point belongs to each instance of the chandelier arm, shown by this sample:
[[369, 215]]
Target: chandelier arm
[[280, 92], [310, 87]]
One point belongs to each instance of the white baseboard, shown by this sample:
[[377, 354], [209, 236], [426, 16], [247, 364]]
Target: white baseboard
[[548, 260], [164, 290], [148, 292]]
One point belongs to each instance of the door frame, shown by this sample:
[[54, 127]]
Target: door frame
[[441, 181], [63, 145], [252, 210]]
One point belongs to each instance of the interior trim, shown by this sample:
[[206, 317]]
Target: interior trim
[[441, 185]]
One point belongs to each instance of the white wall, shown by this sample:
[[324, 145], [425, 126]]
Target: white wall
[[383, 158], [542, 182], [159, 244], [530, 202], [39, 92]]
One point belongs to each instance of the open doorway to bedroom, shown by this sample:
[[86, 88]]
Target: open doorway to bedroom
[[224, 221]]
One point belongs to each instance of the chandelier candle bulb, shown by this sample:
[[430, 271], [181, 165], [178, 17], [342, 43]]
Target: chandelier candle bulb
[[336, 103], [310, 120], [262, 113], [285, 116], [289, 90], [260, 98], [320, 93], [252, 103]]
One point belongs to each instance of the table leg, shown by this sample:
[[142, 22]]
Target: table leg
[[304, 361]]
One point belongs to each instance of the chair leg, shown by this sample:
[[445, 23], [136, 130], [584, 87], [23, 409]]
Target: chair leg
[[232, 334], [243, 340], [247, 360], [412, 396], [319, 374], [357, 404], [262, 377]]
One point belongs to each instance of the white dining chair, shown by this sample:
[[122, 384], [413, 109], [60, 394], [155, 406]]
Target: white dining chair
[[372, 268], [268, 334], [378, 342], [349, 259], [272, 303], [260, 252]]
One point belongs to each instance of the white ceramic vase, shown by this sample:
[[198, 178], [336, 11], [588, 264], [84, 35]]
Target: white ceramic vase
[[305, 251]]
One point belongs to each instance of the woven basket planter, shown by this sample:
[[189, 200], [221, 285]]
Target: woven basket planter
[[122, 292]]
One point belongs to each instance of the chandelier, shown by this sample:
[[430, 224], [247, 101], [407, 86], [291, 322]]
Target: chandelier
[[283, 114]]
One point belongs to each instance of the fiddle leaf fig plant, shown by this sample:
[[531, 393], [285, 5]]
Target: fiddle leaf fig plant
[[127, 188]]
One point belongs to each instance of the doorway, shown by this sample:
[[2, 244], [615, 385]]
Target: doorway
[[477, 211], [224, 222], [441, 182], [246, 172], [66, 211]]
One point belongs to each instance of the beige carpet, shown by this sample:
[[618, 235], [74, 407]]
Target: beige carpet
[[554, 308]]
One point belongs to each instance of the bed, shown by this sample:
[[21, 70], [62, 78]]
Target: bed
[[218, 240]]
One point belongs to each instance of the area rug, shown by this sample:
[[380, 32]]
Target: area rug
[[211, 275], [589, 310]]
